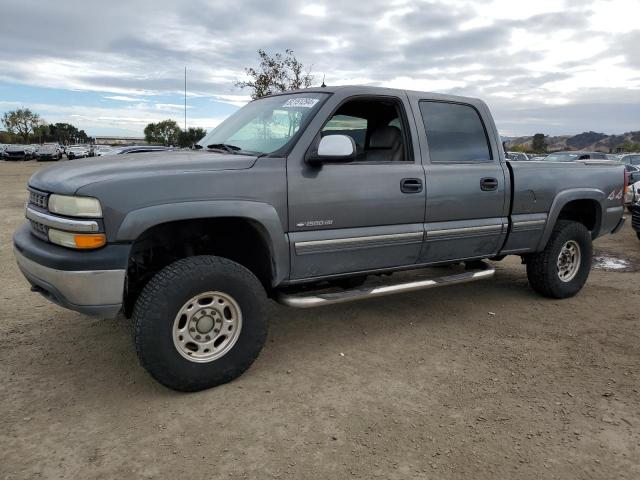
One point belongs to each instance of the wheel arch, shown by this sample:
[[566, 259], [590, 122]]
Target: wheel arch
[[252, 229], [585, 206]]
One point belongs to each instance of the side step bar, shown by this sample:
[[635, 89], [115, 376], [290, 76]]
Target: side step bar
[[360, 293]]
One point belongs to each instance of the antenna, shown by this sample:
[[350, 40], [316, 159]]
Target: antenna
[[323, 85], [185, 99]]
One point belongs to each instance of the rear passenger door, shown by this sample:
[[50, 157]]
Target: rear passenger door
[[466, 212]]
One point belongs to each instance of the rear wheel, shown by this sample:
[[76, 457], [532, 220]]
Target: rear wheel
[[200, 322], [562, 268]]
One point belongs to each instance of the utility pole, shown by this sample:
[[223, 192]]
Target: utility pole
[[185, 99]]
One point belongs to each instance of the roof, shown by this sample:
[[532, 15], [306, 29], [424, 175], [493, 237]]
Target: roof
[[367, 89]]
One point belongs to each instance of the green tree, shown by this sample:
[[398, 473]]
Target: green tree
[[277, 73], [6, 137], [42, 133], [539, 144], [66, 133], [165, 132], [628, 146], [21, 122], [191, 136]]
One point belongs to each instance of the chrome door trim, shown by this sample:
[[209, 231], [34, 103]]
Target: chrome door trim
[[528, 225], [313, 246], [466, 230]]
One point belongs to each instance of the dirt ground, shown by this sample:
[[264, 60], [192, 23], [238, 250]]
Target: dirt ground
[[482, 381]]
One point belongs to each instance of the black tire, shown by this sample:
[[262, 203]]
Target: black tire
[[638, 235], [542, 269], [163, 297]]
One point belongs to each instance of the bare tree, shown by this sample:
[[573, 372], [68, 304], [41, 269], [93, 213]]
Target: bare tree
[[277, 73]]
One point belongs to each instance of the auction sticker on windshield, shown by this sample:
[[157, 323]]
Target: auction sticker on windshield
[[300, 102]]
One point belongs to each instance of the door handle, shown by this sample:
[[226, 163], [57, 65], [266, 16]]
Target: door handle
[[410, 185], [488, 183]]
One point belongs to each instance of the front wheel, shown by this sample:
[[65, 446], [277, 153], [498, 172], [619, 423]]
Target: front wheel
[[199, 323], [562, 268]]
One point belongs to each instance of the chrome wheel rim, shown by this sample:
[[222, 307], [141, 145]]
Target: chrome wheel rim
[[569, 261], [207, 327]]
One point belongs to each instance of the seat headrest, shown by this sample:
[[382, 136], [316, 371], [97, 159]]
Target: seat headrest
[[385, 137]]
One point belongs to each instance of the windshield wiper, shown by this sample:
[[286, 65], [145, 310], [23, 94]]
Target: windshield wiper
[[224, 146]]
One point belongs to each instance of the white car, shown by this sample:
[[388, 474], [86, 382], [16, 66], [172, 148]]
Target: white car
[[100, 151], [77, 152], [517, 156]]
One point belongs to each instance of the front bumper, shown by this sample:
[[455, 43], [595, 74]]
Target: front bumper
[[91, 284]]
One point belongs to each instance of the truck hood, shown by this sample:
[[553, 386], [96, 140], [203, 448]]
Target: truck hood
[[67, 177]]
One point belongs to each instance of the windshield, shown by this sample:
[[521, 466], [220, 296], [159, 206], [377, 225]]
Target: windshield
[[266, 125]]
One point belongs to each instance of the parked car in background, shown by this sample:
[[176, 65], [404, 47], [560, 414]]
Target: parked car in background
[[102, 150], [632, 195], [48, 152], [633, 172], [517, 156], [635, 218], [630, 159], [77, 151], [18, 152], [573, 156], [537, 158]]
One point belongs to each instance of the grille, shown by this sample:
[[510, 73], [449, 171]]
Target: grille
[[635, 219], [39, 200], [39, 230]]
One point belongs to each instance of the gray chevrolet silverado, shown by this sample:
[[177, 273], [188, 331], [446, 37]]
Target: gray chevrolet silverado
[[304, 197]]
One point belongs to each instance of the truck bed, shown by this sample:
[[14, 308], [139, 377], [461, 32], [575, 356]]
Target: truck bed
[[540, 191]]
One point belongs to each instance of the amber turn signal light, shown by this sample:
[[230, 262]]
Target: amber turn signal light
[[96, 240]]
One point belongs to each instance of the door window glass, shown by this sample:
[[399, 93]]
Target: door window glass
[[455, 133]]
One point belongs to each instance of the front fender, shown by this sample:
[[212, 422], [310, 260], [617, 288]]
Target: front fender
[[264, 215], [563, 198]]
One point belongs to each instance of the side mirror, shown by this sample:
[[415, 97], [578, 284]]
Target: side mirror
[[333, 149]]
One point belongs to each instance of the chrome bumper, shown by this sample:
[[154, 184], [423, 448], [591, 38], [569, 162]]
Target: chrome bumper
[[93, 292]]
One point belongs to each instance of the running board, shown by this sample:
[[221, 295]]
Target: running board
[[360, 293]]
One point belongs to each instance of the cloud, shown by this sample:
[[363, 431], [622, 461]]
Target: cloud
[[122, 98], [552, 56]]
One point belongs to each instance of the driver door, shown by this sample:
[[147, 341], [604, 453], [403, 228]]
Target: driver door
[[366, 214]]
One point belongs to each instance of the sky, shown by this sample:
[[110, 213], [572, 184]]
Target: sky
[[556, 67]]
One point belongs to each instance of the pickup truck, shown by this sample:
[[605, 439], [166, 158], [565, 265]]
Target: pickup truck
[[307, 198]]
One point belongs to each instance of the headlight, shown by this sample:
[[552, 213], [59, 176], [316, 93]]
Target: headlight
[[83, 241], [75, 206]]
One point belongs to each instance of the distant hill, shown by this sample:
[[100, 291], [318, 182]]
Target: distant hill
[[582, 141]]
